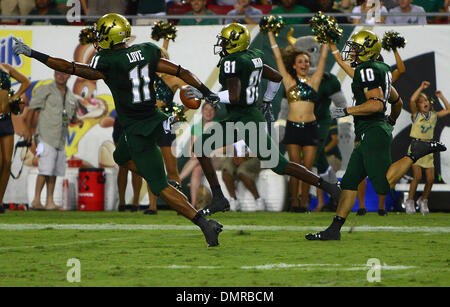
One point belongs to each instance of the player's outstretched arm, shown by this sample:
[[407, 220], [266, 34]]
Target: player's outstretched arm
[[337, 56], [373, 104], [61, 65], [168, 67], [400, 70], [396, 106]]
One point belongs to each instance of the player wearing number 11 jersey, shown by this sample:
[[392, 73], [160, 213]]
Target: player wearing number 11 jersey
[[130, 73], [241, 71]]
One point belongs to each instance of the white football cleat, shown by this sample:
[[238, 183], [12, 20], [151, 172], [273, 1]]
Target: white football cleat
[[234, 205], [423, 205], [409, 207], [260, 204]]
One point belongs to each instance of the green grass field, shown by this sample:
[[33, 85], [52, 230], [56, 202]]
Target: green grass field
[[256, 249]]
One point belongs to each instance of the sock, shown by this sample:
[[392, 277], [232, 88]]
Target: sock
[[337, 223], [217, 192], [199, 220]]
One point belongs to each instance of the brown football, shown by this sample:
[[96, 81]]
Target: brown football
[[193, 103]]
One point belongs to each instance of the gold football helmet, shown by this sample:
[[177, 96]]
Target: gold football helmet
[[233, 38], [363, 46], [112, 29]]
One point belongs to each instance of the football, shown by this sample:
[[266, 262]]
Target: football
[[193, 103]]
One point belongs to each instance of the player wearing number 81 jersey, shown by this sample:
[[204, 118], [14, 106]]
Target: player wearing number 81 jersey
[[241, 71]]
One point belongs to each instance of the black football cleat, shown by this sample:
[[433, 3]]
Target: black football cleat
[[122, 208], [326, 235], [211, 232], [382, 212], [420, 148], [216, 205], [361, 212]]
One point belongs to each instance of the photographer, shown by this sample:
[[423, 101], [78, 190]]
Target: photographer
[[6, 126], [57, 107]]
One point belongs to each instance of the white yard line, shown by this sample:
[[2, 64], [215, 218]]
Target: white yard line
[[226, 227]]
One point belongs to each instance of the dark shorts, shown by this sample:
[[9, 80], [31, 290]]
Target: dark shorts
[[6, 126], [146, 155], [303, 134], [370, 158], [166, 140]]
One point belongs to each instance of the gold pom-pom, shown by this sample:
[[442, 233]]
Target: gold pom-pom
[[392, 40], [164, 30], [88, 36], [325, 28], [272, 24]]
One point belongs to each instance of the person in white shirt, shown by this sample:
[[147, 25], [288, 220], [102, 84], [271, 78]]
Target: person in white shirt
[[368, 19]]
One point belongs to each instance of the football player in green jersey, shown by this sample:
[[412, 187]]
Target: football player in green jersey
[[241, 70], [372, 156], [130, 73]]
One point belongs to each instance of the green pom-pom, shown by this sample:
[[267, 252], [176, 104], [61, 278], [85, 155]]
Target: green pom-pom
[[164, 30], [325, 29], [272, 24], [392, 40], [88, 36]]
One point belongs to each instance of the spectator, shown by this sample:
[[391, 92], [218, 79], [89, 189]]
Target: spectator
[[406, 7], [102, 7], [15, 7], [424, 118], [192, 167], [433, 6], [289, 7], [198, 9], [344, 5], [43, 8], [243, 7], [364, 8], [57, 107], [326, 6], [244, 168], [146, 8]]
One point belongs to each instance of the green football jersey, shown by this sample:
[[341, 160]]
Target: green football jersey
[[130, 76], [328, 86], [248, 66], [370, 75]]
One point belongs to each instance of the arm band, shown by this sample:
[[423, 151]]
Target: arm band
[[272, 90], [398, 98], [178, 71], [376, 98], [73, 68], [41, 57], [224, 97]]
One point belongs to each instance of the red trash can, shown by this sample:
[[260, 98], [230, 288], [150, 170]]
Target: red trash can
[[91, 189]]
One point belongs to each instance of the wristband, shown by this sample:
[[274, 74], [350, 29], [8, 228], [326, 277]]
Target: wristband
[[41, 57], [376, 98], [178, 71], [73, 68], [204, 90], [335, 51], [274, 46]]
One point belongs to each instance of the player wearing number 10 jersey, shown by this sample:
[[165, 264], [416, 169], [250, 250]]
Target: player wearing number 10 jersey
[[241, 71], [130, 72]]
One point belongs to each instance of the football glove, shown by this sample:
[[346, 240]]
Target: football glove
[[266, 109], [338, 112], [389, 120], [21, 48]]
